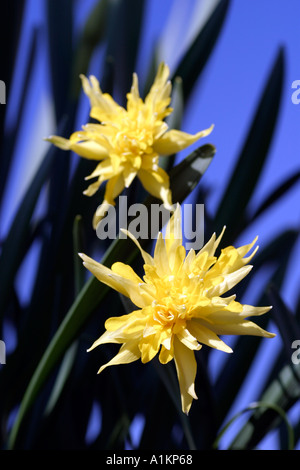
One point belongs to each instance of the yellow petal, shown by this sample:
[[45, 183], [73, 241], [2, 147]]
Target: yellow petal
[[113, 188], [123, 321], [178, 259], [161, 257], [243, 250], [146, 257], [249, 310], [115, 336], [122, 329], [92, 188], [129, 173], [149, 346], [129, 352], [103, 105], [103, 169], [234, 325], [230, 280], [173, 237], [186, 367], [126, 271], [166, 355], [157, 183], [133, 98], [87, 149], [211, 246], [206, 336], [100, 212], [188, 340], [121, 284], [174, 141], [158, 97]]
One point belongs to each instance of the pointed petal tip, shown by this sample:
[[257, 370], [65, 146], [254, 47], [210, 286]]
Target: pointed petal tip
[[83, 257]]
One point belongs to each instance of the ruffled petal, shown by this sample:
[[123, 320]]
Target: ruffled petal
[[157, 183], [146, 257], [103, 105], [128, 353], [186, 367], [158, 97], [232, 324], [86, 149], [113, 188], [125, 286], [161, 260], [173, 237], [174, 141], [206, 336], [228, 281]]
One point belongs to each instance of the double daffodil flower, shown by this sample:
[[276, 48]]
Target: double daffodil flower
[[180, 304], [128, 142]]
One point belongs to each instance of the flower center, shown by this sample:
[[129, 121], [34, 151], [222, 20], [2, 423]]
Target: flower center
[[168, 314], [134, 138]]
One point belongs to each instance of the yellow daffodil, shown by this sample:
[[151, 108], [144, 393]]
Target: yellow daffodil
[[179, 304], [128, 142]]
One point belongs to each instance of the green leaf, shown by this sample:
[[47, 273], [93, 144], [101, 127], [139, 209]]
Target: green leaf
[[282, 393], [78, 248], [93, 292], [286, 322], [10, 37], [235, 369], [93, 33], [124, 27], [261, 405], [70, 355], [60, 33], [186, 175], [276, 194], [254, 153], [15, 242], [194, 60], [174, 120], [169, 379]]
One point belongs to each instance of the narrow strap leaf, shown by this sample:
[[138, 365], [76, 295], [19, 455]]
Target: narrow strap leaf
[[255, 406]]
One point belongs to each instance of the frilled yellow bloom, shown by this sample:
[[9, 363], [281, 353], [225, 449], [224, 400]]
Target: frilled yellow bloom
[[128, 142], [180, 304]]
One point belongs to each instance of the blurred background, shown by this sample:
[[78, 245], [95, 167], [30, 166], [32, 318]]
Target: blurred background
[[232, 64]]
